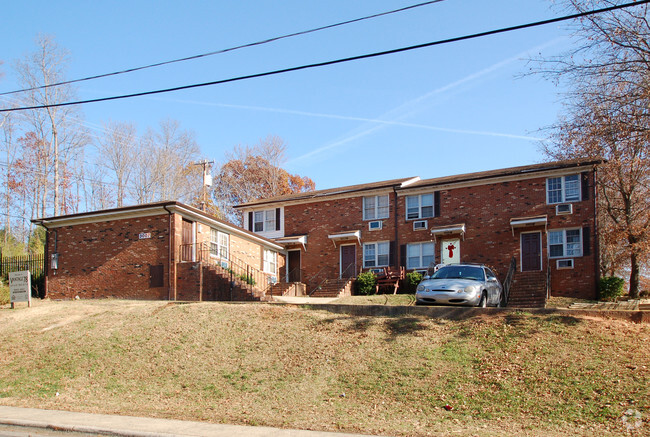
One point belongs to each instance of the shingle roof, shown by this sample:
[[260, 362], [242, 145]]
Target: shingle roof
[[409, 183], [332, 191], [512, 171]]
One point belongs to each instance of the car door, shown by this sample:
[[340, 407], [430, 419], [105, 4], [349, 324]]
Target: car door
[[493, 286]]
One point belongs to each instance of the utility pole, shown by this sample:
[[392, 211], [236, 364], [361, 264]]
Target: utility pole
[[207, 182]]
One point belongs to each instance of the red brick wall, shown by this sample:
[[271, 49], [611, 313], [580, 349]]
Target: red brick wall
[[108, 259], [486, 211]]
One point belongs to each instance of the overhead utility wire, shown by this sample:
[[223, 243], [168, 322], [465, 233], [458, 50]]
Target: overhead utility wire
[[217, 52], [336, 61]]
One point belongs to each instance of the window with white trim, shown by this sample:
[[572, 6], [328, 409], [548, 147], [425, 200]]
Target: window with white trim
[[419, 255], [565, 243], [563, 189], [418, 207], [376, 207], [219, 243], [264, 221], [376, 254], [270, 261]]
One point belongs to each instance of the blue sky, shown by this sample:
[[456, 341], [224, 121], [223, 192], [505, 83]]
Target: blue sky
[[432, 112]]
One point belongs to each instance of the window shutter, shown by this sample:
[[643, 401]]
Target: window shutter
[[436, 204], [585, 185], [277, 219], [402, 255], [391, 254], [586, 241], [250, 221]]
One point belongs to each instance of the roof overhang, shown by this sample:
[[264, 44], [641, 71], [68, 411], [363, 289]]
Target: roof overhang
[[294, 240], [528, 222], [147, 210], [457, 229], [345, 236]]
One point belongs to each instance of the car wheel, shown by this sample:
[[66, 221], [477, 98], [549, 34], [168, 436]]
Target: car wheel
[[483, 302]]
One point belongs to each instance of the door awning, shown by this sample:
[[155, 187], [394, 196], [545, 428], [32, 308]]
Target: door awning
[[528, 222], [293, 240], [345, 236], [457, 229]]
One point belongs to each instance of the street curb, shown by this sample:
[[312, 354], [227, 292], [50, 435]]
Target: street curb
[[133, 426]]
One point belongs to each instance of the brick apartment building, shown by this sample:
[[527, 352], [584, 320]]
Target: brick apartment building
[[543, 216], [165, 250]]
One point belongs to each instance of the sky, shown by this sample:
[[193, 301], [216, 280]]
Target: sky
[[438, 111]]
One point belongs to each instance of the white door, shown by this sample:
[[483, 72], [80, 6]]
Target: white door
[[450, 251]]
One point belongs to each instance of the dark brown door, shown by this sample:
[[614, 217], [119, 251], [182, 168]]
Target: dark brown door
[[186, 247], [294, 265], [531, 252], [348, 261]]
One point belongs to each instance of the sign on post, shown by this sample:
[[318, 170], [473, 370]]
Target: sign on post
[[20, 287]]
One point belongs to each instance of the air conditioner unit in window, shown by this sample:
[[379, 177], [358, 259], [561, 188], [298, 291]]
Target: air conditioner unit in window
[[565, 264], [375, 225], [420, 224], [564, 208]]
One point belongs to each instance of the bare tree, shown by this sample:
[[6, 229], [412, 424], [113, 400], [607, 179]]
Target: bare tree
[[44, 67], [607, 115], [253, 173], [9, 146], [117, 149], [164, 170]]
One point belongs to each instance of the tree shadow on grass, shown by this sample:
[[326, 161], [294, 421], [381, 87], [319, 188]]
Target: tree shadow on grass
[[404, 326]]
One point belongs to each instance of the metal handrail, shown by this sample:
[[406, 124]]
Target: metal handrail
[[508, 281], [249, 276], [320, 283]]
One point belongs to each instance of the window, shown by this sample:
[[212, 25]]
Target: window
[[219, 243], [418, 207], [566, 242], [375, 207], [264, 221], [270, 261], [419, 255], [563, 189], [376, 254]]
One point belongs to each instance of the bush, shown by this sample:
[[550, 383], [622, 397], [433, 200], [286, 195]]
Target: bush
[[366, 283], [412, 280], [610, 288], [4, 293]]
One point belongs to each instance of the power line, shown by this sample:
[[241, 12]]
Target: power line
[[217, 52], [337, 61]]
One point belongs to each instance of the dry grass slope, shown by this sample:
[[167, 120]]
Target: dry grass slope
[[297, 368]]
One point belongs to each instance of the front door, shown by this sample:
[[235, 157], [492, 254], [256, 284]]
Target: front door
[[348, 261], [293, 261], [450, 251], [187, 247], [531, 251]]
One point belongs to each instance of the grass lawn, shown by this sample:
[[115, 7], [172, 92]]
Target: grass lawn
[[505, 373]]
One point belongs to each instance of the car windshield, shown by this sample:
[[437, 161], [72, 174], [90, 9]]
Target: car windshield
[[459, 272]]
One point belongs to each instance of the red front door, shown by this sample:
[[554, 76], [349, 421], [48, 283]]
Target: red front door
[[348, 261]]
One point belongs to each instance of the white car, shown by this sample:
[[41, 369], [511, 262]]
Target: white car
[[460, 284]]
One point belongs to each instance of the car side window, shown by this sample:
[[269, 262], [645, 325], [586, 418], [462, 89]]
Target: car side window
[[489, 274]]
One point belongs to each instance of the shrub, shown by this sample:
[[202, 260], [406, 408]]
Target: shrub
[[247, 279], [366, 283], [4, 293], [412, 280], [610, 288]]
